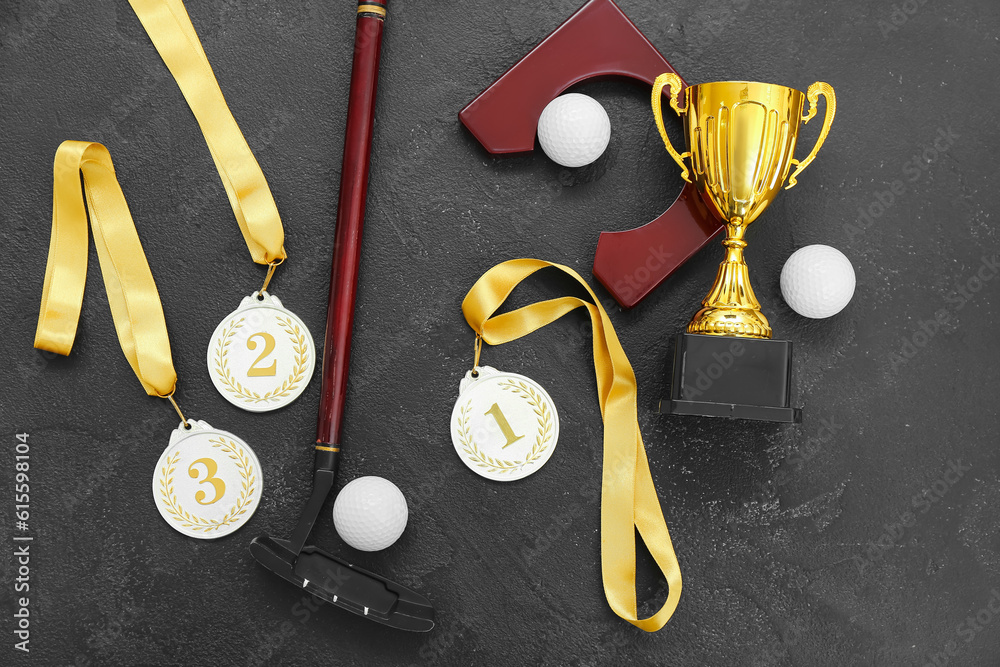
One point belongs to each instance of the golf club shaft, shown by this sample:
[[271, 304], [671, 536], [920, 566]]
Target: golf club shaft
[[350, 221], [346, 260]]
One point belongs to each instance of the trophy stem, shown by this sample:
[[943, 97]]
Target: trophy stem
[[731, 308]]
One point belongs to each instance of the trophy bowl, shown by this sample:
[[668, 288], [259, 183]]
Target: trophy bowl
[[740, 138]]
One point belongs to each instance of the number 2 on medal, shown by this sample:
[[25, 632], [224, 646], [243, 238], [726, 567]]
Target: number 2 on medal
[[253, 371], [211, 467], [505, 428]]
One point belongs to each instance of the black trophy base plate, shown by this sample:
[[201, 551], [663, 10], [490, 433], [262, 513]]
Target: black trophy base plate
[[726, 376]]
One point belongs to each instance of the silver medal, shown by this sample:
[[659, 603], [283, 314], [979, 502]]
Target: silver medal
[[207, 482], [504, 426], [261, 356]]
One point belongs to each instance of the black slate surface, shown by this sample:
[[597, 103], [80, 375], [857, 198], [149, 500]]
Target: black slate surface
[[777, 528]]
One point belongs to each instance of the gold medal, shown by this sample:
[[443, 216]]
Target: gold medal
[[504, 426], [207, 482], [261, 355], [629, 503]]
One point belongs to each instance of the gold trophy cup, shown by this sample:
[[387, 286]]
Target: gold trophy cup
[[740, 138]]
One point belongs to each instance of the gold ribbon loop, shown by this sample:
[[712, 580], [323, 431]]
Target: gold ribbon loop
[[628, 496], [169, 27], [135, 303]]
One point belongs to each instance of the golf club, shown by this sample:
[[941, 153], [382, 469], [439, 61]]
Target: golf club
[[308, 567]]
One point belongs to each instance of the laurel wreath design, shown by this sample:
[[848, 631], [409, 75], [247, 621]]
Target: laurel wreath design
[[542, 438], [194, 522], [233, 386]]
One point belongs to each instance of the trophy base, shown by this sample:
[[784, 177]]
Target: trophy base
[[726, 376]]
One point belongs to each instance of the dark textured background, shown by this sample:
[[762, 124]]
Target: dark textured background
[[772, 524]]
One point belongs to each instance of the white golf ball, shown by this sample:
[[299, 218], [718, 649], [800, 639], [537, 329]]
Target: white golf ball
[[817, 281], [370, 513], [574, 130]]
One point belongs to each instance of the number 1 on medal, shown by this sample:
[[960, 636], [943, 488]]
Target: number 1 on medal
[[505, 428]]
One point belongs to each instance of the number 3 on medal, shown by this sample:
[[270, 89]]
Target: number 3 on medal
[[504, 425], [253, 371], [211, 467]]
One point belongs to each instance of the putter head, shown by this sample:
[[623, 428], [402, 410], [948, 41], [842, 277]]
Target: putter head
[[340, 583]]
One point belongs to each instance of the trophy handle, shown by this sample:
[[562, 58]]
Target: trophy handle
[[815, 90], [673, 82]]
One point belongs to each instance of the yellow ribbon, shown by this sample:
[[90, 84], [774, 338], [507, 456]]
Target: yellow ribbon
[[135, 303], [169, 27], [628, 496]]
